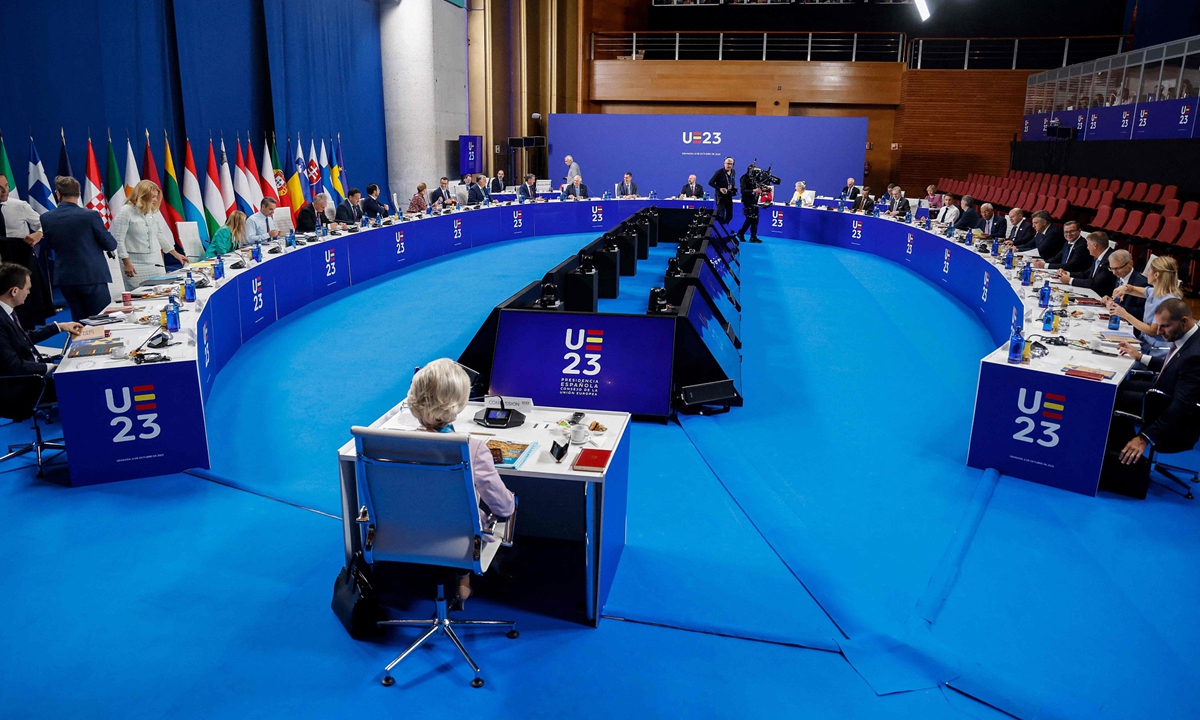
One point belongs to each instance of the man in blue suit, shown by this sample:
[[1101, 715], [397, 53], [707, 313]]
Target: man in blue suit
[[1047, 240], [478, 191], [79, 241]]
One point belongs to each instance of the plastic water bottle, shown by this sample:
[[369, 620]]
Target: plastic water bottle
[[1048, 321], [1044, 296], [1016, 345], [172, 315], [364, 222], [1008, 260], [291, 239], [995, 247], [1027, 275], [908, 217], [653, 195], [1114, 321], [219, 269], [189, 288], [256, 253], [875, 212]]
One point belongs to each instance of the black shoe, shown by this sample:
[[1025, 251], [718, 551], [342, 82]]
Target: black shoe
[[755, 240], [741, 236]]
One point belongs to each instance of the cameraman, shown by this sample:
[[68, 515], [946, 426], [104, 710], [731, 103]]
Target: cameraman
[[750, 194], [722, 183]]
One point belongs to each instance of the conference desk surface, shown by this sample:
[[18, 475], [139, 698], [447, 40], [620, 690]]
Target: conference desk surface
[[556, 502]]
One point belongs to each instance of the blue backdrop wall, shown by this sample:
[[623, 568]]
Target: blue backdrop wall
[[191, 67], [662, 150]]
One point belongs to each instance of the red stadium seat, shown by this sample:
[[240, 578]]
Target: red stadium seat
[[1054, 179], [1133, 223], [1125, 191], [1139, 192], [1171, 229], [1092, 183], [1093, 200], [1190, 210], [1101, 185], [1150, 227], [1171, 208], [1006, 198], [1169, 193], [1106, 198], [1115, 222], [1043, 187], [1102, 216], [1073, 181], [1153, 194], [1072, 194], [1025, 201], [1054, 190], [1039, 203], [1059, 212], [1190, 237]]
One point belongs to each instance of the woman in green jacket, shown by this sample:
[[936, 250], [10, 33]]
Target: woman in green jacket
[[230, 237]]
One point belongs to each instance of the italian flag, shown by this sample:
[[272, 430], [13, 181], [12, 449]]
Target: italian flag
[[114, 187]]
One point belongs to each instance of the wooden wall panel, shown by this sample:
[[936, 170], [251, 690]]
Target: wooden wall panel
[[636, 108], [954, 122]]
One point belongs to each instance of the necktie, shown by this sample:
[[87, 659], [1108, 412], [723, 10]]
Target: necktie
[[3, 227], [1170, 354], [28, 340]]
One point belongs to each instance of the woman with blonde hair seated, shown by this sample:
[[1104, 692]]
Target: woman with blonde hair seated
[[438, 393], [230, 237], [1163, 278], [140, 239]]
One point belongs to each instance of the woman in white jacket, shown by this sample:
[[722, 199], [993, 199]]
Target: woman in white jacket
[[140, 239]]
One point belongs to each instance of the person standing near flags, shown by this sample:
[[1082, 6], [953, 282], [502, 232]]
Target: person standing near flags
[[140, 241], [20, 232], [78, 239]]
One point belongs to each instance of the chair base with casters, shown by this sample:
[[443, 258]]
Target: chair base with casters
[[1172, 472], [24, 394], [441, 623]]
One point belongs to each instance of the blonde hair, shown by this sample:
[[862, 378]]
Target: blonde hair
[[438, 393], [1168, 277], [237, 226], [421, 187], [143, 197]]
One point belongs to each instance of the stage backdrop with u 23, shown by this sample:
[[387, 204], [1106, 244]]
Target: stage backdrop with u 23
[[662, 150]]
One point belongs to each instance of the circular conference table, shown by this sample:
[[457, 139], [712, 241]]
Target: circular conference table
[[122, 420]]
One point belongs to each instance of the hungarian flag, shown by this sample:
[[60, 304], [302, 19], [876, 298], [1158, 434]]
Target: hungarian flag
[[172, 205], [226, 182], [295, 185], [266, 176], [253, 183], [241, 189], [6, 170], [193, 202], [277, 175], [93, 188], [214, 204], [114, 188]]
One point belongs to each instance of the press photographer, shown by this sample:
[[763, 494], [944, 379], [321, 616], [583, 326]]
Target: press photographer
[[754, 184]]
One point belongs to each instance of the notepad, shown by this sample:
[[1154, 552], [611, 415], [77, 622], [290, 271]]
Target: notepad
[[590, 460], [510, 454]]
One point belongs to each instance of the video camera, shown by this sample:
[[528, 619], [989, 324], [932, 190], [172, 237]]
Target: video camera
[[761, 178]]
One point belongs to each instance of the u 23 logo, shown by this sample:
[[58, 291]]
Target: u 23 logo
[[141, 398], [592, 341], [1049, 406]]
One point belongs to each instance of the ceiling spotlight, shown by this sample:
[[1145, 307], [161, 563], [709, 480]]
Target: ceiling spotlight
[[923, 10]]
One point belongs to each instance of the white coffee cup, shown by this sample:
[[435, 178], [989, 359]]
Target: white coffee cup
[[579, 434]]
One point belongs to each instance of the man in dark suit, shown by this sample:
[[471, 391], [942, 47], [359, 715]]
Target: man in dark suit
[[371, 207], [312, 215], [18, 352], [1120, 262], [1073, 257], [349, 211], [627, 188], [497, 185], [897, 205], [750, 195], [1047, 239], [691, 189], [724, 185], [528, 190], [443, 194], [864, 203], [1098, 276], [478, 191], [969, 217], [79, 241], [990, 222], [1177, 426], [1020, 230], [577, 190], [850, 192]]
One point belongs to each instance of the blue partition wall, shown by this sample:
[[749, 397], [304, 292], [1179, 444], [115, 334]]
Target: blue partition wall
[[1158, 120], [822, 151]]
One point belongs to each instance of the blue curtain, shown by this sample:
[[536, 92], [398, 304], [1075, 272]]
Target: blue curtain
[[85, 65], [200, 66], [327, 77]]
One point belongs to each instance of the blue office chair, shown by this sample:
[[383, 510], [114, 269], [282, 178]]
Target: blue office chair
[[418, 505]]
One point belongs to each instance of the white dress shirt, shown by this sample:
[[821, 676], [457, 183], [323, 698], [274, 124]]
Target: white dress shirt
[[258, 227], [948, 215], [19, 218]]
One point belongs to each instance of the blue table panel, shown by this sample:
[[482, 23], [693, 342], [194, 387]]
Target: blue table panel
[[329, 264], [256, 299], [293, 282]]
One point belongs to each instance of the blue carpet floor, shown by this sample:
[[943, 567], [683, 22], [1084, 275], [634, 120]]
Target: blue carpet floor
[[822, 552]]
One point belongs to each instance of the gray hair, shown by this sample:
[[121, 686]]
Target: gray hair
[[438, 393], [1018, 211], [1120, 257], [1098, 238], [321, 196], [986, 205], [800, 184]]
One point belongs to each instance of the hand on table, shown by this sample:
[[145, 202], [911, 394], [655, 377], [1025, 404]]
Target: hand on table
[[274, 232], [1130, 350], [180, 257], [1039, 263], [1133, 450], [1120, 292], [1064, 276], [72, 328]]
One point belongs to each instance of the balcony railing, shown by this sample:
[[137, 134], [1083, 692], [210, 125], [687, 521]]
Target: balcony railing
[[1037, 53], [853, 47], [682, 3]]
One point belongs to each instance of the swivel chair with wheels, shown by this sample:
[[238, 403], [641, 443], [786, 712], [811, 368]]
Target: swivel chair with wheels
[[23, 400], [418, 505], [1157, 398]]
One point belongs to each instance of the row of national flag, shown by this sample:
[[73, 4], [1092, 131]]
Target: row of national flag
[[226, 189]]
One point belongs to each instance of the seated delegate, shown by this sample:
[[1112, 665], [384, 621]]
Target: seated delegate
[[1047, 240], [968, 216], [798, 196], [418, 203], [371, 206], [18, 352], [350, 210], [1160, 286], [438, 393], [230, 237], [312, 215], [478, 192], [1074, 255], [528, 190], [865, 203], [898, 204], [691, 190], [577, 190], [1098, 276], [948, 213], [627, 188]]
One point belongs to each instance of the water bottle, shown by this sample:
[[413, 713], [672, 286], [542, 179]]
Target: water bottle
[[908, 217], [429, 210], [1114, 321], [875, 212], [1016, 345], [363, 224], [324, 230], [189, 288], [1044, 296], [995, 247], [1027, 275], [291, 239], [219, 269], [1008, 260], [707, 196], [256, 253], [653, 195], [949, 228], [1048, 321], [172, 316]]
